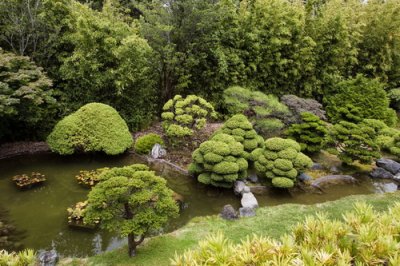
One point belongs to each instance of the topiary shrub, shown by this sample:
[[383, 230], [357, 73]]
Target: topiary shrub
[[280, 161], [298, 105], [310, 134], [181, 116], [366, 96], [239, 127], [95, 127], [144, 144], [263, 110], [219, 161], [354, 142]]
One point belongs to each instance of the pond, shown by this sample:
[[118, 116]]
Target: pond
[[40, 213]]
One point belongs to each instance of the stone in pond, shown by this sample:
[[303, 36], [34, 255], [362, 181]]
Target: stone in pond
[[330, 180], [238, 187], [379, 172], [389, 165], [228, 213], [157, 151], [48, 258], [385, 187], [317, 166], [247, 212], [304, 177], [249, 201], [253, 178]]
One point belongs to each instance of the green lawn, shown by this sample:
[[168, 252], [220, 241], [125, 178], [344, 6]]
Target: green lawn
[[270, 221]]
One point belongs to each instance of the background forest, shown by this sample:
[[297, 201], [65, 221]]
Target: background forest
[[57, 55]]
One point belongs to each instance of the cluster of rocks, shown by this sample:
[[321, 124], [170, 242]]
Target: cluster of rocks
[[249, 203], [386, 169]]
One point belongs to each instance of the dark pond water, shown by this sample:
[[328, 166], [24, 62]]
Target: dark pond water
[[41, 214]]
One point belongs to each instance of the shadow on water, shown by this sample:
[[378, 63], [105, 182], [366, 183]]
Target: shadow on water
[[41, 212]]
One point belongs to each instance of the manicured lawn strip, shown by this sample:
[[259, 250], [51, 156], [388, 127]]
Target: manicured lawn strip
[[270, 221]]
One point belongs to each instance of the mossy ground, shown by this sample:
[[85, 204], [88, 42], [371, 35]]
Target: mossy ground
[[270, 221]]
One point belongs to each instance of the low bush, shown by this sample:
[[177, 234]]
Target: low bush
[[219, 161], [280, 161], [239, 127], [95, 127], [144, 144], [365, 96], [310, 134], [298, 105], [263, 110], [181, 116], [355, 142], [394, 97], [26, 257], [364, 237]]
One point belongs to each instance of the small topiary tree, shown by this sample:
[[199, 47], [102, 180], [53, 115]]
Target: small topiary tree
[[144, 144], [239, 127], [366, 96], [310, 134], [263, 110], [219, 161], [352, 142], [95, 127], [181, 116], [131, 201], [280, 161]]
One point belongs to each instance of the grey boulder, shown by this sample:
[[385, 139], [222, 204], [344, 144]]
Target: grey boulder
[[228, 213], [247, 212], [389, 165], [379, 172], [249, 201]]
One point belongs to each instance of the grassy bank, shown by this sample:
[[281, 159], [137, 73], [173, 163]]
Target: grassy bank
[[270, 221]]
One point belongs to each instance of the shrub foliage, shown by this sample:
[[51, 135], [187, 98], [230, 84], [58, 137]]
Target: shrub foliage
[[219, 161], [364, 237], [280, 161], [310, 134], [144, 144], [131, 201], [181, 116], [95, 127], [239, 127]]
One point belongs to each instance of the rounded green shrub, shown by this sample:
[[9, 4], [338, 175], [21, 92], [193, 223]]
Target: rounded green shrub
[[181, 116], [280, 161], [144, 144], [219, 161], [367, 96], [95, 127], [310, 134], [240, 128]]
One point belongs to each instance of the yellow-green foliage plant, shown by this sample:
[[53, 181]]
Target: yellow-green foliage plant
[[219, 161], [364, 237], [95, 127], [181, 116], [25, 257], [280, 161], [239, 127], [144, 144]]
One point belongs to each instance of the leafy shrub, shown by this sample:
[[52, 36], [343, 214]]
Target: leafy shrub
[[219, 161], [280, 161], [239, 127], [132, 202], [27, 103], [364, 237], [353, 142], [26, 257], [261, 109], [310, 134], [365, 96], [95, 127], [298, 105], [394, 97], [181, 116], [144, 144]]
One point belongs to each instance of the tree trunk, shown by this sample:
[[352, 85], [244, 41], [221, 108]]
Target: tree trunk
[[132, 244]]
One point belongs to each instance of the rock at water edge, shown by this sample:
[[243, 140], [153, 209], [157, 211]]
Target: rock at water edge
[[249, 201], [228, 213], [247, 212]]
